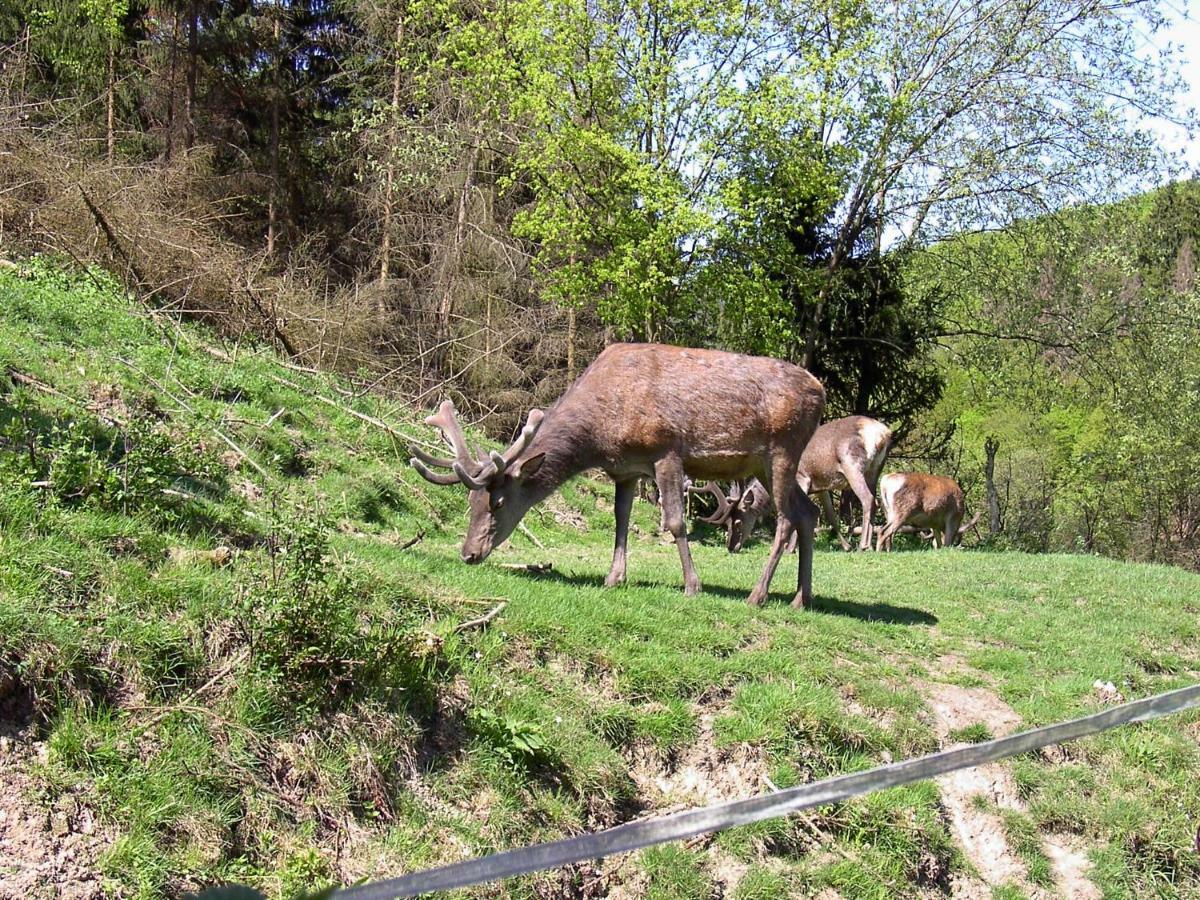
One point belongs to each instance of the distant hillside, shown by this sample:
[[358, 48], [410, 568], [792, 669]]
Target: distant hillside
[[1069, 342]]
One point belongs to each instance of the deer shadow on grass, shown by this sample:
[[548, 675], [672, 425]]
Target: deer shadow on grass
[[597, 581], [866, 612], [873, 612]]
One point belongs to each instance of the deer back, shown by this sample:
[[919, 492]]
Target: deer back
[[855, 441], [719, 411]]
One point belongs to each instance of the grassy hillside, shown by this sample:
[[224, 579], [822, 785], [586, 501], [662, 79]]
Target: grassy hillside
[[228, 650]]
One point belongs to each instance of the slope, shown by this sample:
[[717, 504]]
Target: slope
[[230, 649]]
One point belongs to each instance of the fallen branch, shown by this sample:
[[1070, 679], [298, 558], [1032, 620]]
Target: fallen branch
[[31, 382], [529, 534], [370, 420], [184, 405], [482, 620], [115, 243], [412, 541]]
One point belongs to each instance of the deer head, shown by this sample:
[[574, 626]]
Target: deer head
[[501, 486], [738, 512]]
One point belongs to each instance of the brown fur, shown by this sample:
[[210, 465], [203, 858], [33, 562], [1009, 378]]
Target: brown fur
[[922, 501], [837, 458], [643, 410]]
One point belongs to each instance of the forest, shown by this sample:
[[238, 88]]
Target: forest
[[951, 214]]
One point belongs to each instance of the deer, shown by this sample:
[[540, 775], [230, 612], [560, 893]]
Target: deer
[[844, 453], [649, 410], [923, 501], [738, 512]]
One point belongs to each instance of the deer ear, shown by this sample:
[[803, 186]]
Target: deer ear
[[527, 467]]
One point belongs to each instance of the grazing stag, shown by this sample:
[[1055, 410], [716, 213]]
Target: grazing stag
[[844, 453], [924, 502], [738, 512], [650, 410]]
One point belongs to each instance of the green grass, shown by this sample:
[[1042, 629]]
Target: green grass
[[294, 718]]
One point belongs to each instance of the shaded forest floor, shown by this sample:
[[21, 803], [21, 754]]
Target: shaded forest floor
[[229, 651]]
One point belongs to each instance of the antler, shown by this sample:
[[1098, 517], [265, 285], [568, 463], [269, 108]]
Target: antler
[[466, 467], [464, 462], [750, 496], [724, 506], [445, 421], [503, 460]]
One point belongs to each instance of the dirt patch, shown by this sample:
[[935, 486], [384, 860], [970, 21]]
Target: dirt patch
[[45, 850], [703, 773], [979, 832], [727, 871], [564, 514], [1070, 864], [955, 708]]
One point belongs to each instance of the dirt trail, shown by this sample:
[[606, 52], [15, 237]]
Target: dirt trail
[[978, 831], [704, 773], [44, 852]]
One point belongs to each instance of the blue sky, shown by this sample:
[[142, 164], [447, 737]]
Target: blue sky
[[1183, 31]]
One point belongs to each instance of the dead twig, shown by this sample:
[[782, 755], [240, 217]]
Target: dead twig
[[529, 534], [370, 420], [185, 705], [482, 620], [412, 541], [184, 405]]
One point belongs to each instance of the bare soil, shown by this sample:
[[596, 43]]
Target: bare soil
[[979, 832], [46, 849]]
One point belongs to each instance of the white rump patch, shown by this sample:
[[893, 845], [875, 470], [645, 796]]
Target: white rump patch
[[875, 436], [889, 485]]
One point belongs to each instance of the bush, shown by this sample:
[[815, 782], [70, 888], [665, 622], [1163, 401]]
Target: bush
[[313, 632]]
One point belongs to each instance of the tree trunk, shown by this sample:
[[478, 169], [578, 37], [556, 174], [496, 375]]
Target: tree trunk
[[385, 245], [111, 117], [273, 197], [570, 344], [170, 149], [454, 253], [189, 133], [990, 447]]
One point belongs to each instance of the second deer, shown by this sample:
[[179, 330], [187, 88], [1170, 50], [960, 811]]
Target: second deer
[[843, 454]]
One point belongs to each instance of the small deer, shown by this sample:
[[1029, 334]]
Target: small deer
[[844, 453], [650, 410], [924, 502]]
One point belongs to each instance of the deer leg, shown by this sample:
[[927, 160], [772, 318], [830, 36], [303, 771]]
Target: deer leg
[[866, 497], [826, 499], [622, 506], [884, 540], [951, 530], [804, 515], [793, 512], [668, 472]]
